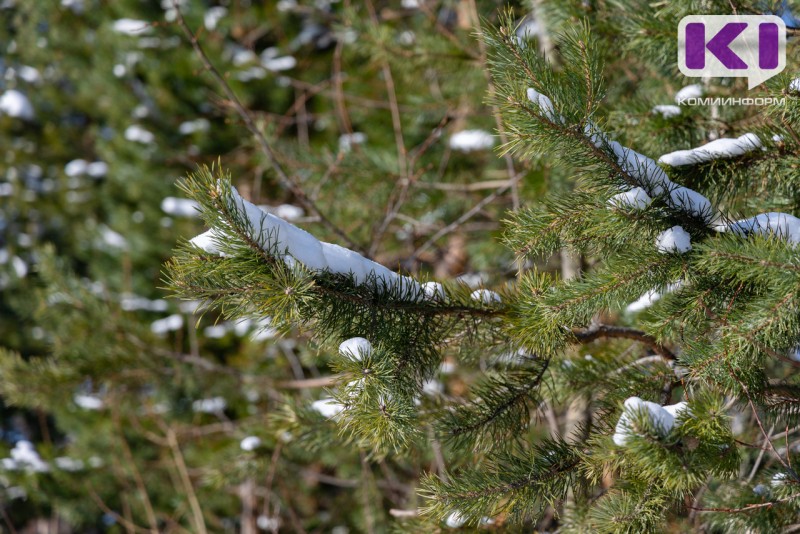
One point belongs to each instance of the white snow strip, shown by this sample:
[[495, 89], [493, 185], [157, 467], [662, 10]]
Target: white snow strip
[[676, 239], [272, 232], [279, 64], [131, 27], [719, 149], [88, 402], [356, 348], [782, 225], [471, 140]]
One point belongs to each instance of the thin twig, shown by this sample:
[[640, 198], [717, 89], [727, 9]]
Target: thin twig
[[194, 503]]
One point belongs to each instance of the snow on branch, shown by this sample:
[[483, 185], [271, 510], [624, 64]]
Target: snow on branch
[[651, 178], [719, 149], [650, 181], [782, 225], [272, 234]]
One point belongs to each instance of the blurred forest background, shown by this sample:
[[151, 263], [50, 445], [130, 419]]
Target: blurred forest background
[[126, 408]]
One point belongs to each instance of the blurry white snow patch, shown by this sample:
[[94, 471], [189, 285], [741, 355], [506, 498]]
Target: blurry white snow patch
[[411, 4], [676, 239], [197, 125], [259, 329], [265, 522], [137, 134], [211, 405], [346, 141], [272, 62], [794, 85], [24, 456], [111, 238], [667, 111], [212, 17], [636, 198], [130, 302], [250, 443], [15, 104], [356, 348], [167, 324], [180, 207], [65, 463], [253, 73], [242, 56], [432, 387], [97, 169], [28, 74], [75, 5], [286, 5], [327, 407], [694, 90], [131, 27], [471, 140], [216, 331], [88, 402], [19, 266]]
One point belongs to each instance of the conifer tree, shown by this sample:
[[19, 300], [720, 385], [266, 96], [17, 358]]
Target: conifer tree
[[446, 402]]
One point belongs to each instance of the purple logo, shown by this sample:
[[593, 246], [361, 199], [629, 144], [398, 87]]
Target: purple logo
[[751, 46]]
